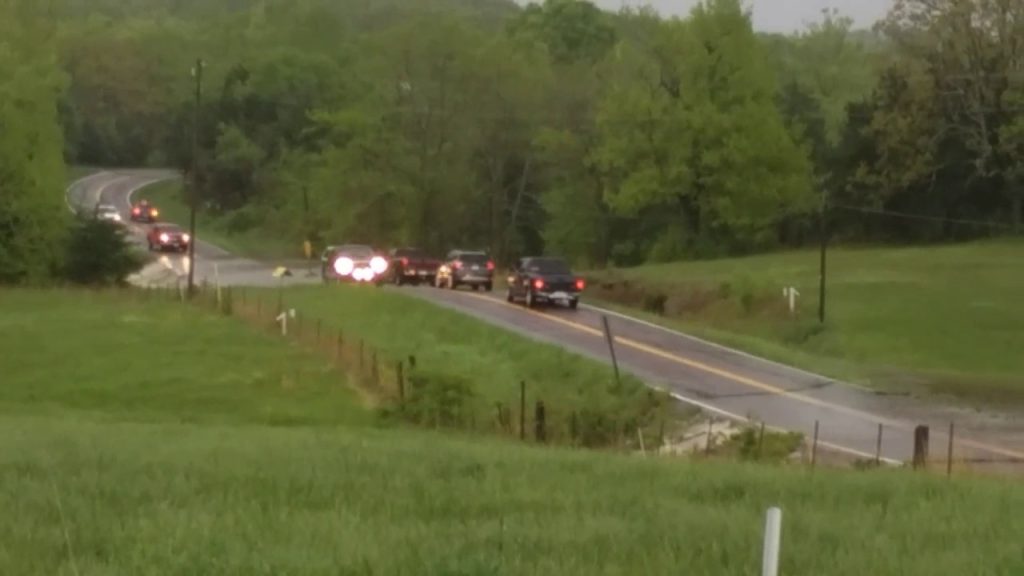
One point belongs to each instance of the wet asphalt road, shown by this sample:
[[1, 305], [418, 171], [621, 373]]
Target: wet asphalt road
[[720, 381]]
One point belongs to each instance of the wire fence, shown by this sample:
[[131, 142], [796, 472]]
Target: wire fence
[[401, 388]]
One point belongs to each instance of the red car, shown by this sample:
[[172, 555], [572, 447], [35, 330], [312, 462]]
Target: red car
[[144, 212], [167, 236]]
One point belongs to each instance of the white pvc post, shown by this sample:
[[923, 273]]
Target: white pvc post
[[772, 540]]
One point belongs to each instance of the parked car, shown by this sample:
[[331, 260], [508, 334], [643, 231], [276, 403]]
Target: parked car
[[466, 268], [543, 280], [412, 266], [352, 263]]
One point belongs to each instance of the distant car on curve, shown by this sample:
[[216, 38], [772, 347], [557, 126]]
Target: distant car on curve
[[412, 266], [144, 212], [107, 212], [163, 237], [466, 268], [352, 263], [544, 280]]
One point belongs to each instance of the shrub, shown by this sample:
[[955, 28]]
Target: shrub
[[98, 254], [439, 400]]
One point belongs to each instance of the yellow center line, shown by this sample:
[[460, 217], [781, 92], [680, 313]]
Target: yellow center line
[[739, 378]]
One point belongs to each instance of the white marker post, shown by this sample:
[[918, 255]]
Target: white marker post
[[772, 541], [792, 294], [282, 318]]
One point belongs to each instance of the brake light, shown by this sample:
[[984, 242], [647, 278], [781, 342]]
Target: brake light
[[490, 265], [135, 211], [456, 264], [405, 262], [538, 284], [580, 284]]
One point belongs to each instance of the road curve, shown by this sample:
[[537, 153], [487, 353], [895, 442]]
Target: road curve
[[716, 379], [213, 263]]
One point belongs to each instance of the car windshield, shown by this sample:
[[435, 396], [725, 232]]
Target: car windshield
[[107, 208], [548, 266], [170, 229], [356, 251], [474, 258]]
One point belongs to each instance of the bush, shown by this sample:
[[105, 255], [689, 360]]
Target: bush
[[439, 400], [98, 254]]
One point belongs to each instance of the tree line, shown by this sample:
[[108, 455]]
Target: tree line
[[609, 138]]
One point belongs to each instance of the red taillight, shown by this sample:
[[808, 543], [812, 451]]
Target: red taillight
[[580, 284], [135, 211], [490, 265], [405, 262], [456, 264], [538, 284]]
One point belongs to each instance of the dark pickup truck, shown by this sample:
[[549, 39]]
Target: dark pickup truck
[[543, 281], [412, 266]]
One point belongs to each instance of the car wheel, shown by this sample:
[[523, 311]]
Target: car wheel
[[452, 284], [398, 278], [574, 303], [488, 287], [531, 302], [509, 297], [476, 287], [149, 245]]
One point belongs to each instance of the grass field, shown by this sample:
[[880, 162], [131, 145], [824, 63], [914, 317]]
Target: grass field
[[147, 438], [167, 196], [944, 318], [496, 361], [94, 353]]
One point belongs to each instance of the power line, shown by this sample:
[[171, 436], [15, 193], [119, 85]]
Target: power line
[[910, 216]]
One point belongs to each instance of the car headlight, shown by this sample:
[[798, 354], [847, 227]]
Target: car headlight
[[344, 266], [186, 237], [378, 265], [164, 237]]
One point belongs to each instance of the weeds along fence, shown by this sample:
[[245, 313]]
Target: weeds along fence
[[403, 389]]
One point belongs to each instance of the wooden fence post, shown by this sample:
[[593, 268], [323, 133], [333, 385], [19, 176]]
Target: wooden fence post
[[814, 445], [522, 410], [540, 429], [760, 442], [375, 369], [878, 447], [400, 377], [920, 447], [949, 453]]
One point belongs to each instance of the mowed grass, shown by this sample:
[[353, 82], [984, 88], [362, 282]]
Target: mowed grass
[[118, 355], [445, 341], [134, 439], [949, 318], [168, 197]]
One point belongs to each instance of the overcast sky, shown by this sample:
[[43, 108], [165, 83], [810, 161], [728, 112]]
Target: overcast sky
[[774, 15]]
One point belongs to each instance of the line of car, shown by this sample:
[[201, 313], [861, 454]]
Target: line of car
[[532, 280], [161, 236]]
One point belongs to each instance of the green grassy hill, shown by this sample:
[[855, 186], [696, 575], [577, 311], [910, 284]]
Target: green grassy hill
[[947, 318], [139, 436]]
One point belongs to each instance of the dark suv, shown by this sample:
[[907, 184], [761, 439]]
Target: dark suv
[[543, 281], [466, 268]]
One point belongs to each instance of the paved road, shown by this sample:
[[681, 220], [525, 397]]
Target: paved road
[[716, 379], [212, 263]]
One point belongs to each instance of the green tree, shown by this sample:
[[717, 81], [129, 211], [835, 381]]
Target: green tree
[[33, 217]]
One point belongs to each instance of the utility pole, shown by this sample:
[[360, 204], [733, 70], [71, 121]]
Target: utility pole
[[823, 231], [197, 73]]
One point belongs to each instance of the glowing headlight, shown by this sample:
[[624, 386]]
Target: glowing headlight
[[165, 238], [344, 266], [117, 217], [186, 237], [378, 265]]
